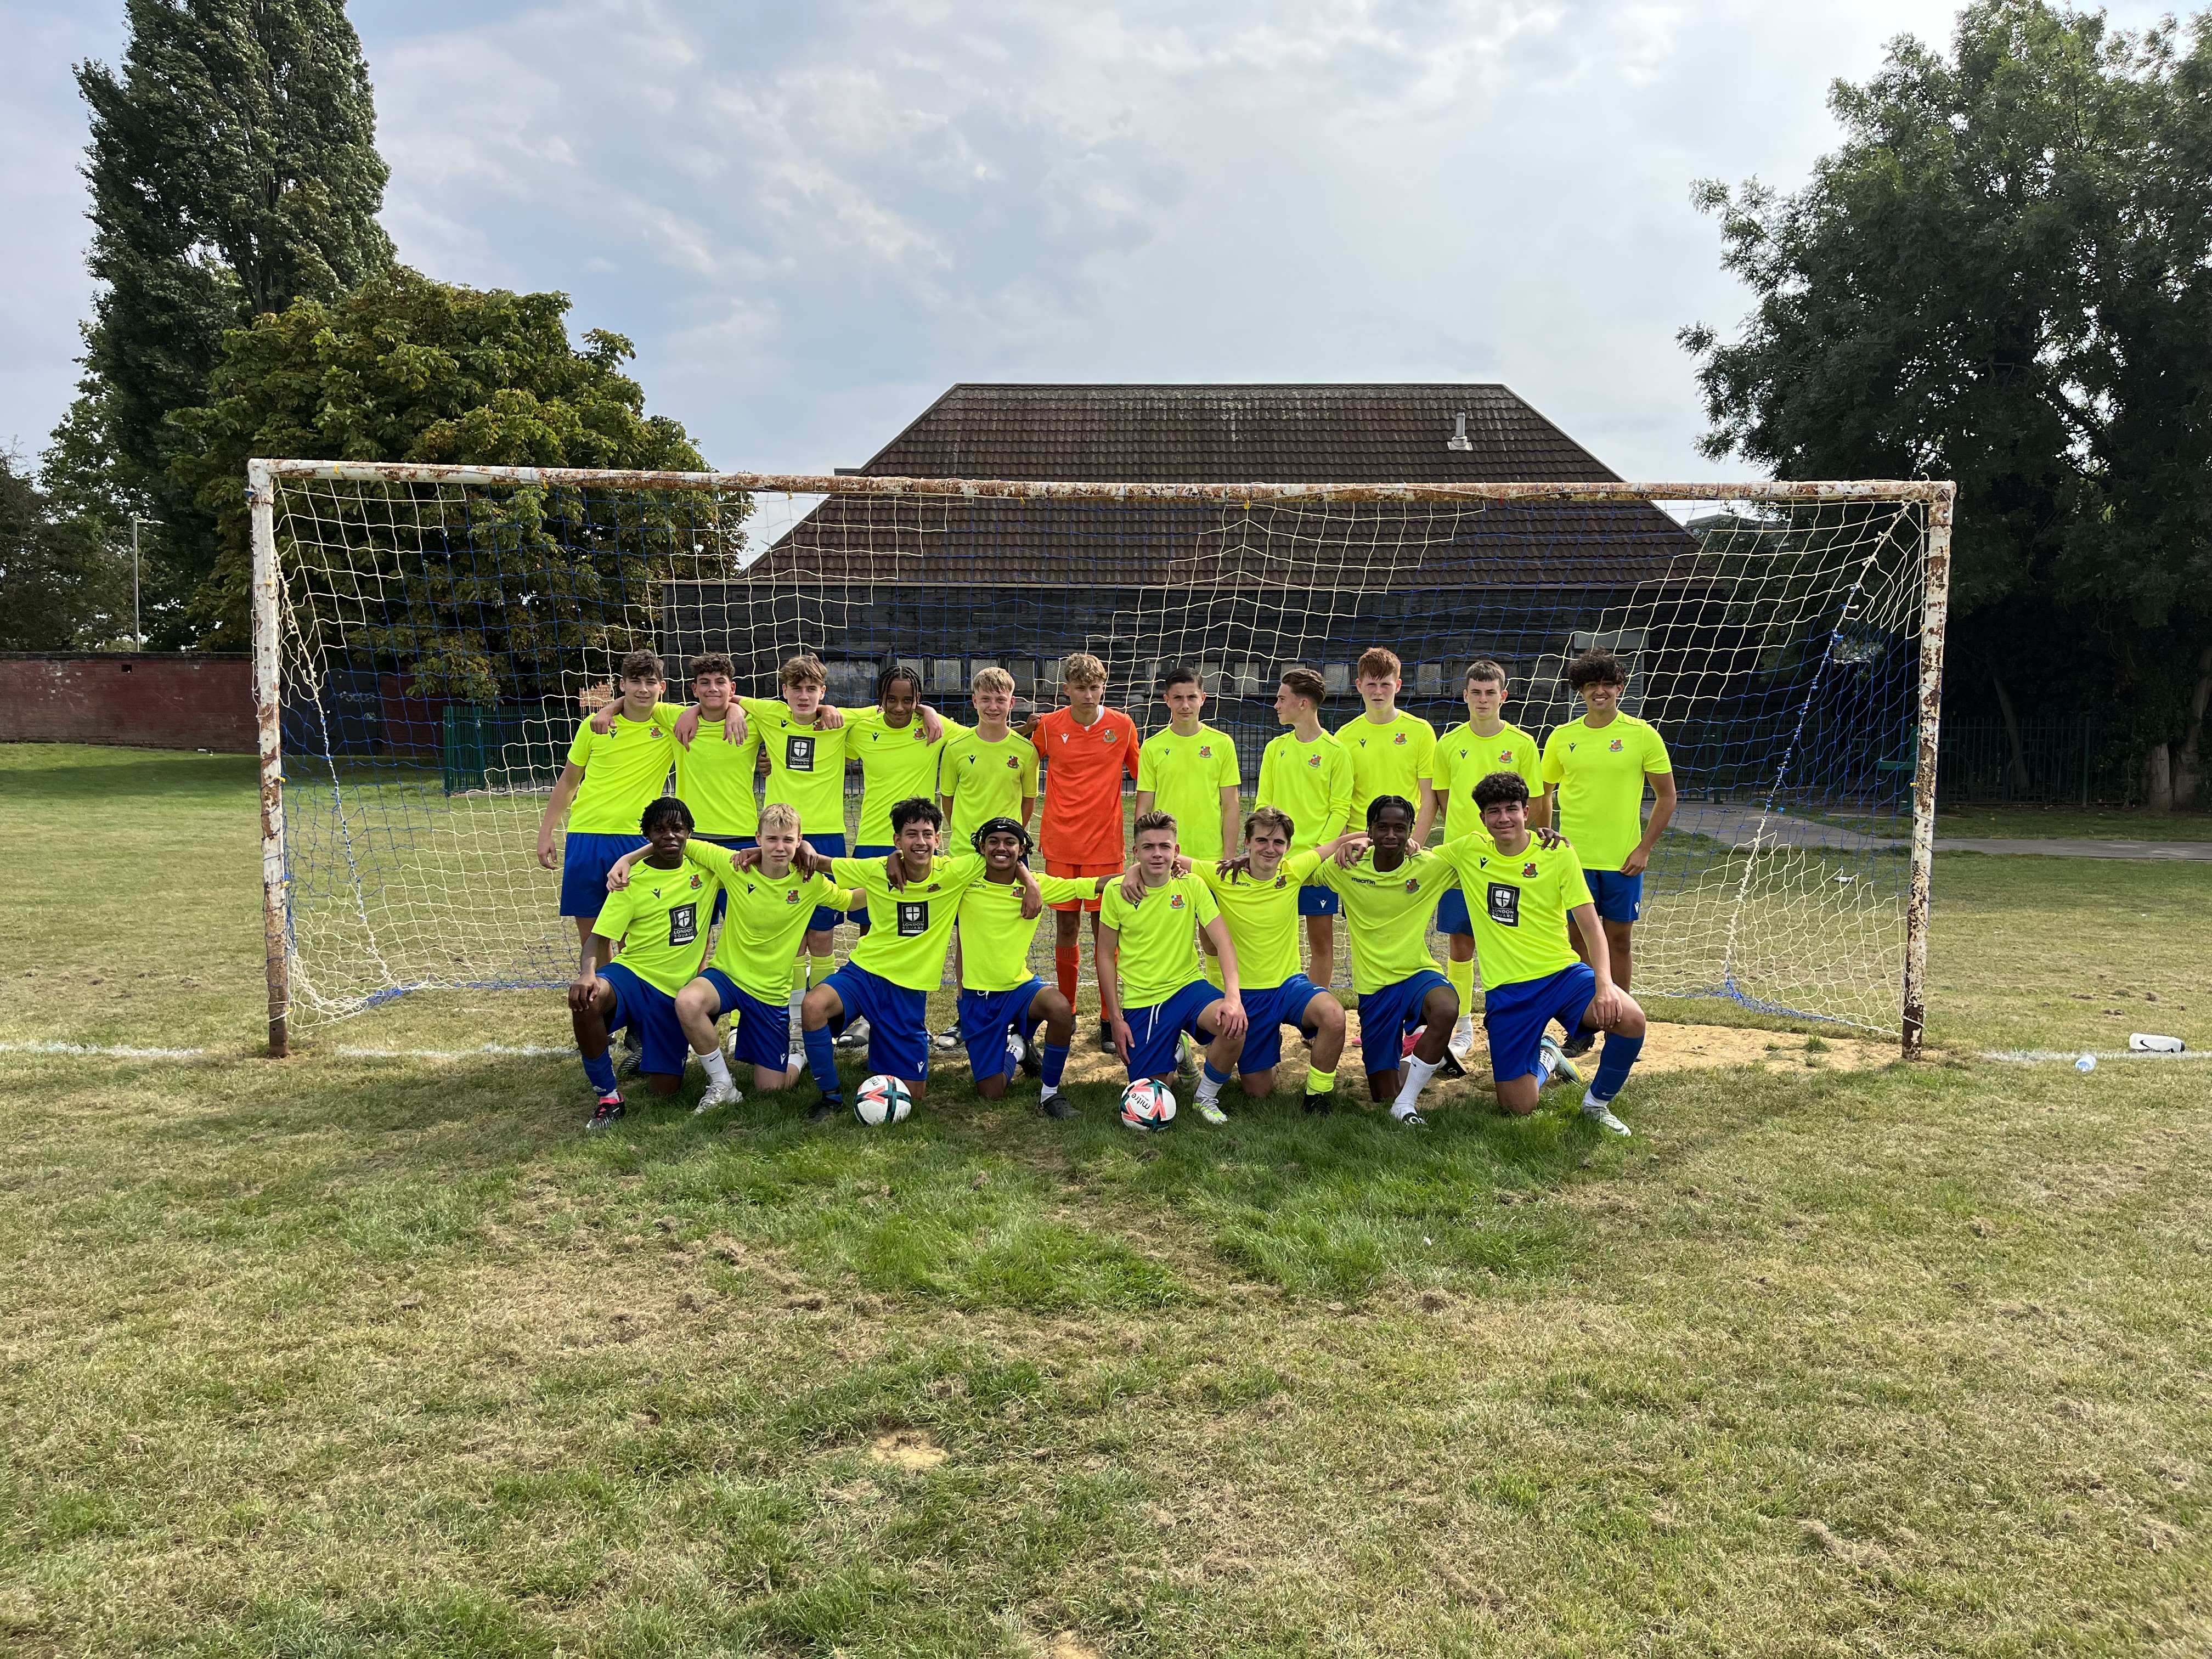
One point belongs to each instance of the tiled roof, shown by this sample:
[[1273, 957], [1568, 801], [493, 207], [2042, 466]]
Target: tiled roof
[[1236, 434], [1231, 434]]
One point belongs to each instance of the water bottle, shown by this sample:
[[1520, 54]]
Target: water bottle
[[2149, 1042], [2085, 1065]]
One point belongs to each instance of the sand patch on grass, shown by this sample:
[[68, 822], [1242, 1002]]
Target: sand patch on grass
[[907, 1448]]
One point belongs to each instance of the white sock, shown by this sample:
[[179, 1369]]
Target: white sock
[[1592, 1104], [1208, 1089], [718, 1068], [1545, 1064], [1418, 1073]]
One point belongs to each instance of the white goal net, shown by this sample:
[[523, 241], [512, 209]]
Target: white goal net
[[429, 638]]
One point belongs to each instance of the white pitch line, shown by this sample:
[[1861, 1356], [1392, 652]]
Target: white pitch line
[[2043, 1056], [98, 1051], [118, 1051], [524, 1051]]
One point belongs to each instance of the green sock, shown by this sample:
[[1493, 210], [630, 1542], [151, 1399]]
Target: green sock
[[1319, 1082], [1461, 975]]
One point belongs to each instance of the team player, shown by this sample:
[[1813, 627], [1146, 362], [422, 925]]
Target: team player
[[897, 962], [1389, 748], [1595, 770], [1526, 892], [1306, 774], [1259, 898], [1390, 888], [1482, 743], [769, 906], [1086, 749], [609, 777], [991, 771], [717, 755], [1001, 1002], [1188, 771], [1150, 981], [659, 922]]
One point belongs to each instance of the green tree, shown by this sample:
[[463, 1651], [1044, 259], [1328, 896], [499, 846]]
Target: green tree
[[65, 586], [233, 169], [405, 369], [2003, 275]]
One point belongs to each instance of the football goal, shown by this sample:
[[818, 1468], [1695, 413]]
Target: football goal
[[427, 639]]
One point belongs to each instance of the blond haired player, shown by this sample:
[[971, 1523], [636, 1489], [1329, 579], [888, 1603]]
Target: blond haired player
[[769, 906], [1086, 749], [1307, 774], [1482, 743]]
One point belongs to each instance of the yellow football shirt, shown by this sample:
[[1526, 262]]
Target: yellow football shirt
[[805, 765], [1158, 950], [1187, 776], [1599, 771], [1388, 759], [1262, 918], [1519, 902], [1387, 912], [718, 779], [1460, 760], [1311, 781], [766, 921], [994, 935], [896, 763], [985, 781], [623, 772], [912, 927], [660, 921]]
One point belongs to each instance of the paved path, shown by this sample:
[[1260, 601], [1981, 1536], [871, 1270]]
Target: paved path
[[1738, 827]]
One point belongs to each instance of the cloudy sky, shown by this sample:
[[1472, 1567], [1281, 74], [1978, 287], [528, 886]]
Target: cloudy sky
[[812, 219]]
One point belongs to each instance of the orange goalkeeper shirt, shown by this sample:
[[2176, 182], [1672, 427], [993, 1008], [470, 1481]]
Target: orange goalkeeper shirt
[[1083, 769]]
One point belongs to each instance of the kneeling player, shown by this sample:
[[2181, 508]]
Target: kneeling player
[[898, 960], [1148, 952], [998, 994], [1520, 893], [770, 905], [1260, 898], [659, 920]]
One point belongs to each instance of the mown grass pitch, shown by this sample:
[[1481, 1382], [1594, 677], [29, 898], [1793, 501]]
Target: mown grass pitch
[[357, 1355]]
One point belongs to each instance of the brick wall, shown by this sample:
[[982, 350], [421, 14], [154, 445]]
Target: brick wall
[[143, 700]]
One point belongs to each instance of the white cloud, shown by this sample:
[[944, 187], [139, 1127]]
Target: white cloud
[[813, 219]]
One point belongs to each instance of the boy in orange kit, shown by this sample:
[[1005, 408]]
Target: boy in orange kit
[[1087, 750]]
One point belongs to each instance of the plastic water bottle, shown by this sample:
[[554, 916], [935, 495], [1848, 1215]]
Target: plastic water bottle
[[2085, 1065], [2149, 1042]]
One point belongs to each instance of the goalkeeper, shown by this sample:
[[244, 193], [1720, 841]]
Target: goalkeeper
[[1521, 894]]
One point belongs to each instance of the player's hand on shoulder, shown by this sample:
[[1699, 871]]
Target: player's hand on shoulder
[[687, 724], [1133, 883], [1349, 850], [604, 721], [1181, 866], [932, 723], [734, 729], [1032, 895], [1239, 866], [826, 719], [747, 858], [1547, 838], [617, 876], [895, 869]]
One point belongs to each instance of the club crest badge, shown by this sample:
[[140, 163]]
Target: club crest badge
[[1314, 761], [696, 884], [1615, 746], [1528, 869], [1206, 751], [1012, 765], [1175, 903], [1413, 883], [791, 896], [1399, 740], [1282, 881]]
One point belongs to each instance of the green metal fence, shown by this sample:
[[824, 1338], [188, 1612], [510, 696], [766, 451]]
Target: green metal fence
[[2056, 763], [501, 747]]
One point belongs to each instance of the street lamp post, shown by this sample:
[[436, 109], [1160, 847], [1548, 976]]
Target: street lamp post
[[137, 631]]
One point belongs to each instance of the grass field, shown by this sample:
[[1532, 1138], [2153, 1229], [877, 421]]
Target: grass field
[[358, 1355]]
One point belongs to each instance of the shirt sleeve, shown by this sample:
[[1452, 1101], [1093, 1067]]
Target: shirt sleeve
[[580, 746], [1113, 908], [1300, 867], [613, 920], [1129, 752], [1324, 874], [853, 872], [1029, 773], [1266, 776], [1437, 773], [1203, 901], [1655, 758], [1574, 890], [1424, 748], [953, 730], [1225, 773], [1554, 767], [1148, 769], [1340, 794], [1532, 767], [1059, 890]]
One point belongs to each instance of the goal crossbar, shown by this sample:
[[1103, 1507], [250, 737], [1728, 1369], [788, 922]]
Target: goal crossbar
[[1931, 503]]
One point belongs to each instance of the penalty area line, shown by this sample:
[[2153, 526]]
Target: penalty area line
[[124, 1051], [2047, 1056]]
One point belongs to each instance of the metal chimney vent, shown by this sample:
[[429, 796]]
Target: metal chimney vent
[[1459, 440]]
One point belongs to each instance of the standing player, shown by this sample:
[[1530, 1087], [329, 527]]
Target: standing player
[[1259, 898], [1147, 952], [1527, 890], [1389, 750], [769, 906], [1478, 745], [1595, 769], [1306, 774], [1390, 889], [1189, 772], [659, 923], [1087, 749], [609, 778], [718, 782], [999, 995], [901, 960], [990, 772]]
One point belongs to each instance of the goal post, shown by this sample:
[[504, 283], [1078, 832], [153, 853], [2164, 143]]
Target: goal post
[[426, 639]]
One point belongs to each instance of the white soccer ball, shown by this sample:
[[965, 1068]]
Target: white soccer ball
[[1147, 1104], [882, 1100]]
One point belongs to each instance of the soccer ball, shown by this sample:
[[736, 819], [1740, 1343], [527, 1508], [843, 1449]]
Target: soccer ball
[[882, 1100], [1147, 1104]]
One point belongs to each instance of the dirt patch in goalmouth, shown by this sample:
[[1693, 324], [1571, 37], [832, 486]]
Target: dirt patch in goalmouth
[[1668, 1047]]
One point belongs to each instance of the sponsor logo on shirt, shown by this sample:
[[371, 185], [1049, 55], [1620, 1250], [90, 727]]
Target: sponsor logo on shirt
[[683, 925], [1615, 746], [798, 754], [1504, 904], [913, 918]]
